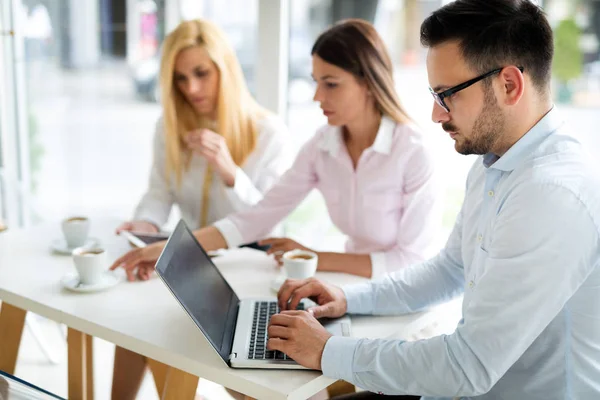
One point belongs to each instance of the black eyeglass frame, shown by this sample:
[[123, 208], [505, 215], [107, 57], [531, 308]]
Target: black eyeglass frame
[[439, 97]]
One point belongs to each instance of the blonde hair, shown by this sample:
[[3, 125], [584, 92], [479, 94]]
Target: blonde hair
[[237, 112]]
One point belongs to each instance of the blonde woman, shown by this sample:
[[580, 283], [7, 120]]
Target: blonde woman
[[216, 151]]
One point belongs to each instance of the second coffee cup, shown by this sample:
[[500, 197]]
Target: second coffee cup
[[300, 264]]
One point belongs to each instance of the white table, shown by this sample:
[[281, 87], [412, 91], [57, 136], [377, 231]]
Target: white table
[[145, 318]]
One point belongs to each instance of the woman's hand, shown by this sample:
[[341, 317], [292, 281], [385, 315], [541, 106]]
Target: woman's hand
[[280, 246], [137, 226], [213, 148], [139, 261]]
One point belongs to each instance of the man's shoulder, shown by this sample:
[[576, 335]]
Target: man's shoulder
[[562, 162]]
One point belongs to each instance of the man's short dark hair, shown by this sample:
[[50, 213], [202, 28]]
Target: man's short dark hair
[[495, 33]]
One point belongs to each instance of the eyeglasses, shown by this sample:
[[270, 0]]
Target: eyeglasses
[[439, 97]]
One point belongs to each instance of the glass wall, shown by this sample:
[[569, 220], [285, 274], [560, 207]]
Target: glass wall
[[77, 134], [90, 94]]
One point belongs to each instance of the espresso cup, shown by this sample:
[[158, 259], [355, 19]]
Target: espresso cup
[[300, 264], [91, 264], [76, 231]]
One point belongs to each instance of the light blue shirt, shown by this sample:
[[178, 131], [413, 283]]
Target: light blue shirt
[[525, 251]]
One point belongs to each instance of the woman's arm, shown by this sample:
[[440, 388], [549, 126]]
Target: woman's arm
[[354, 264], [258, 221], [263, 168]]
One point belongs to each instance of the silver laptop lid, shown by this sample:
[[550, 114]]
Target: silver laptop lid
[[197, 284]]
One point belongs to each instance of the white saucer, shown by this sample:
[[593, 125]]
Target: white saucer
[[71, 281], [60, 245], [277, 282]]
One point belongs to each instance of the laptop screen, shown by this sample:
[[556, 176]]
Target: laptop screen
[[198, 285]]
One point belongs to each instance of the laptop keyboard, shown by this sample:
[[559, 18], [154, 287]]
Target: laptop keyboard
[[263, 311]]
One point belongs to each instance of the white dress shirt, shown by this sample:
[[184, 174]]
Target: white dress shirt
[[261, 169], [525, 251]]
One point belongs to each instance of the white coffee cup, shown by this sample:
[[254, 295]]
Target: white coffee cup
[[91, 264], [300, 264], [76, 231]]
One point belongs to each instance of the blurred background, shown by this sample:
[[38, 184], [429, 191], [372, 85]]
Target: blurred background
[[78, 91]]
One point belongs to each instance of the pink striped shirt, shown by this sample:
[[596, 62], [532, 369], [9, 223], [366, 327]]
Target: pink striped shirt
[[388, 206]]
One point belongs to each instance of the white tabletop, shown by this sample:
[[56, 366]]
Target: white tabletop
[[145, 318]]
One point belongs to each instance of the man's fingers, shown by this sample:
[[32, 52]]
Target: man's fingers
[[278, 331], [286, 290], [324, 311], [277, 344], [309, 289], [282, 319]]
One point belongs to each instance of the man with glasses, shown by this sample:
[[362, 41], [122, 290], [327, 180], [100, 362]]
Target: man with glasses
[[525, 249]]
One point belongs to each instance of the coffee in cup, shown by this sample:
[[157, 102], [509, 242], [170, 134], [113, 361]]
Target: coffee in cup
[[91, 264], [300, 264], [76, 231]]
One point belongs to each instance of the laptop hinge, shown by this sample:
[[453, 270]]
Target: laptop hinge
[[232, 356]]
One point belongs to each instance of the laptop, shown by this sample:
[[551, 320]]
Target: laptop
[[236, 329]]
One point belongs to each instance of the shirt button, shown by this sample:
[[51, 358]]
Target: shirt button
[[479, 237], [471, 284], [491, 193]]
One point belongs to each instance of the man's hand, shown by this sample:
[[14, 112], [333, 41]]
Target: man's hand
[[299, 335], [330, 299]]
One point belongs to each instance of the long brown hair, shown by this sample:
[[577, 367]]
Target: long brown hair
[[237, 112], [355, 46]]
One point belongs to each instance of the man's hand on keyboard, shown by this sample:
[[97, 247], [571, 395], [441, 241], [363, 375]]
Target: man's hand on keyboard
[[330, 299], [299, 335]]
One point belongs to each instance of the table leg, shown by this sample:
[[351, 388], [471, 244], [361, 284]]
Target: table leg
[[159, 372], [179, 385], [12, 321], [80, 361], [339, 388], [89, 366]]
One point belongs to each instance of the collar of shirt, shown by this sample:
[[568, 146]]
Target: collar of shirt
[[332, 140], [525, 146]]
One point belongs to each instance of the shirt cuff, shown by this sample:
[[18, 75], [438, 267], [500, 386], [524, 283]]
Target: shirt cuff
[[243, 189], [230, 232], [378, 265], [359, 298], [338, 357]]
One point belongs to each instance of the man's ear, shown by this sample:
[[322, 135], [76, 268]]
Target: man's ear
[[513, 85]]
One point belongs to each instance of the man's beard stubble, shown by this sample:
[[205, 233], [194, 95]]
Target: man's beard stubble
[[487, 129]]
